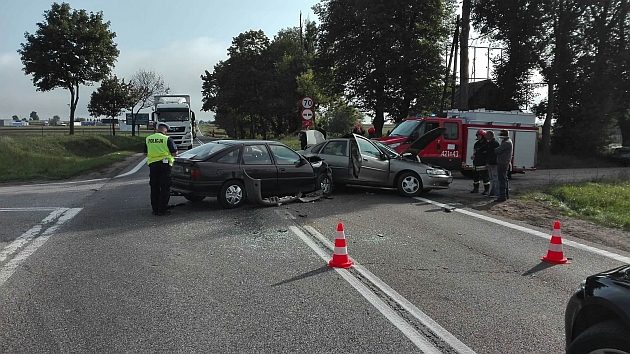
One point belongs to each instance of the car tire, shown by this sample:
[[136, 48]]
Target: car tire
[[232, 194], [194, 198], [604, 335], [325, 183], [409, 184]]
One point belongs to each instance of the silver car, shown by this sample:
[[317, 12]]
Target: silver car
[[357, 160]]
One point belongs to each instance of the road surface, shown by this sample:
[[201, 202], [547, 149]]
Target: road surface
[[86, 267]]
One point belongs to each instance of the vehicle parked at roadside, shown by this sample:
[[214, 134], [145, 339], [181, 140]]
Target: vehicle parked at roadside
[[597, 318], [361, 161], [236, 170]]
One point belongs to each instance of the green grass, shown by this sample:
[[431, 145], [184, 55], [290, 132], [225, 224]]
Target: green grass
[[605, 203], [56, 157]]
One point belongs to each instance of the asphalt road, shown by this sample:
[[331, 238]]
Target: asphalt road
[[86, 267]]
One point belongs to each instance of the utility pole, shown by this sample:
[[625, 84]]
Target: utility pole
[[463, 69]]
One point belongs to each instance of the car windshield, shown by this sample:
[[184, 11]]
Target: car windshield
[[173, 116], [405, 128], [386, 149], [203, 152]]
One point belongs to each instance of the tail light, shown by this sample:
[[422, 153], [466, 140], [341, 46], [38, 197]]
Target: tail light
[[195, 174]]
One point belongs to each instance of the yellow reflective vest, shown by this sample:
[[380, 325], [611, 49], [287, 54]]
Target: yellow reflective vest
[[157, 149]]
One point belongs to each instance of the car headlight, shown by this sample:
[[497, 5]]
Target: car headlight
[[394, 145], [435, 172]]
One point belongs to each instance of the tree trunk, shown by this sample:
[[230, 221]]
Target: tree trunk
[[133, 122], [624, 126], [113, 127], [546, 129], [73, 105], [379, 118]]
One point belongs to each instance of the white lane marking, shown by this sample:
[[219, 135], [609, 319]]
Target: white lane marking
[[414, 336], [134, 170], [601, 252], [8, 269], [57, 183], [427, 321], [30, 209], [23, 239]]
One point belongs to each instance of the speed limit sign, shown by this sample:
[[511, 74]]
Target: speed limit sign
[[307, 103]]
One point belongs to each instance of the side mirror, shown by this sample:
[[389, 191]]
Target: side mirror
[[301, 162]]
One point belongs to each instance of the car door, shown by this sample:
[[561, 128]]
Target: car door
[[336, 155], [374, 164], [258, 164], [295, 174]]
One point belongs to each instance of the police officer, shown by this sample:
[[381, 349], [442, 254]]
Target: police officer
[[160, 150]]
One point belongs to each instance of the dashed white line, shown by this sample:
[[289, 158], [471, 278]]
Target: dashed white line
[[34, 209], [427, 321], [23, 239], [133, 170], [595, 250], [10, 267], [414, 336]]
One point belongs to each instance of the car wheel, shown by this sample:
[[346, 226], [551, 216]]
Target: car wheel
[[325, 184], [194, 198], [409, 184], [604, 337], [232, 194]]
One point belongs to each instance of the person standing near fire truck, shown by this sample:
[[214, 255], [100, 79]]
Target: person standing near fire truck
[[504, 163], [491, 160], [480, 158]]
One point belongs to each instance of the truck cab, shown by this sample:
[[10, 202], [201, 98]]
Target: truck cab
[[444, 151], [175, 111]]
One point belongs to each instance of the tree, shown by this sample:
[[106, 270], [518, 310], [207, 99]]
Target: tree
[[237, 88], [339, 118], [110, 99], [69, 48], [144, 85], [383, 55], [55, 120], [15, 118], [34, 116]]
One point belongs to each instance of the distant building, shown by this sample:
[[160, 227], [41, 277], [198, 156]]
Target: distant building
[[486, 94]]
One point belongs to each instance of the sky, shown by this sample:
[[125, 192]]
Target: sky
[[177, 39]]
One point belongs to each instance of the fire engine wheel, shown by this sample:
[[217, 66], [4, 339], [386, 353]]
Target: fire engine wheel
[[232, 194], [409, 184]]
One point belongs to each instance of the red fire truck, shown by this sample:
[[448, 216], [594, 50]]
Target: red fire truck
[[454, 148]]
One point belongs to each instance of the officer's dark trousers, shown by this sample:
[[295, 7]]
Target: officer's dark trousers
[[160, 181]]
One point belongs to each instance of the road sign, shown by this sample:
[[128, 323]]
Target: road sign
[[307, 114], [141, 119], [307, 103]]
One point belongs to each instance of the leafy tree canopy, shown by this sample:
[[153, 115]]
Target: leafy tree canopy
[[68, 49]]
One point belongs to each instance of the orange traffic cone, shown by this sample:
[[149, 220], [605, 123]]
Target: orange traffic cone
[[555, 254], [340, 258]]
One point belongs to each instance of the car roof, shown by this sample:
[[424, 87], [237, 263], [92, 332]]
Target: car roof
[[245, 142]]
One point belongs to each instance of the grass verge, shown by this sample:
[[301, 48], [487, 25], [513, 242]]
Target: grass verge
[[605, 203], [57, 157]]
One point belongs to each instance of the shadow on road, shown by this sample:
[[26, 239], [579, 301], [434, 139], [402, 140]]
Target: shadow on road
[[537, 268], [320, 270]]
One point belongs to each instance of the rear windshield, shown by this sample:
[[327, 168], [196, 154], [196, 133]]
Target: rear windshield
[[202, 152]]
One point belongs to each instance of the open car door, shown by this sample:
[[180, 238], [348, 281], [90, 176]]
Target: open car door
[[423, 141]]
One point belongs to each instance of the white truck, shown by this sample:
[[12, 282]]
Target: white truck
[[175, 111]]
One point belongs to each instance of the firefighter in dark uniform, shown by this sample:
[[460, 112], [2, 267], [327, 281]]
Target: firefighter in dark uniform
[[161, 152], [480, 157]]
